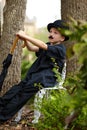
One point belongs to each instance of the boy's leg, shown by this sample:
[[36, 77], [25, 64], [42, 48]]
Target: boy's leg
[[17, 102], [10, 94]]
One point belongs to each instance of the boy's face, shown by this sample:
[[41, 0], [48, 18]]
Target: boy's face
[[55, 36]]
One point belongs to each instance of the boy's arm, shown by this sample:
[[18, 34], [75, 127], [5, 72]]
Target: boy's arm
[[34, 41], [31, 47]]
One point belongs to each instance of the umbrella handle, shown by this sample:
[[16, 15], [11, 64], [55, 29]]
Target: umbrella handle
[[14, 45]]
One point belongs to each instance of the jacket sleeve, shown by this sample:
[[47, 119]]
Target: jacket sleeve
[[56, 51], [39, 52]]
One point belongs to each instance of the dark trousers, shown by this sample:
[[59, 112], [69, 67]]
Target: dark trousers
[[15, 99]]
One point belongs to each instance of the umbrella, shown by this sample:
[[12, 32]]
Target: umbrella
[[6, 63]]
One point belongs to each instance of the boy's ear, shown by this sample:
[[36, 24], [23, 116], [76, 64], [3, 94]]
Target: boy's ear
[[63, 38]]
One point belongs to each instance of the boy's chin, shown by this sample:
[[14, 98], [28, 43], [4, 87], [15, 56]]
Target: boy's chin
[[51, 41], [54, 42]]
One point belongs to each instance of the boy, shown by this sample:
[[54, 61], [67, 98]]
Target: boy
[[40, 72]]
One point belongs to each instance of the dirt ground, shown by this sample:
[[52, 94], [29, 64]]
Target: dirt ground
[[24, 124]]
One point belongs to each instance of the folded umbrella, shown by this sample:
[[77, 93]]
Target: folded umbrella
[[6, 63]]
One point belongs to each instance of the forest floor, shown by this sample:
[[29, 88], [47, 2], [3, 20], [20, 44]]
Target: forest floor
[[24, 124]]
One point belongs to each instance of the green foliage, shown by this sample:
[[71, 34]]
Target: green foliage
[[55, 111], [25, 66], [61, 103]]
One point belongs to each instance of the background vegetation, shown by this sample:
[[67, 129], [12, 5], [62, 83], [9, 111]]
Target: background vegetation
[[67, 109]]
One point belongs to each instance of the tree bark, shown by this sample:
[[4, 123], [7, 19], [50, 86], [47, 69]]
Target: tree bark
[[0, 17], [76, 9], [13, 21]]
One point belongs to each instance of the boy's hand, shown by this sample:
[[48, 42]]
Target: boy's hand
[[21, 34], [23, 45]]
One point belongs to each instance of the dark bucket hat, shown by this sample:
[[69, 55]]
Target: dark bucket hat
[[58, 24]]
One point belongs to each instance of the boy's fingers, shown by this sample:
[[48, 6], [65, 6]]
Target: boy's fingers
[[20, 37], [23, 45], [20, 33]]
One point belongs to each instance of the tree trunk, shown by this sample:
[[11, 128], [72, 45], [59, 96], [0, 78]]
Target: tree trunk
[[76, 9], [13, 21], [0, 17]]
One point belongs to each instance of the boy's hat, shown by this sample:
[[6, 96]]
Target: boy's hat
[[58, 24]]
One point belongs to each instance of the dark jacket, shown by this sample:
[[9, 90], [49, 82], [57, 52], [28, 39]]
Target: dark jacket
[[42, 69]]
